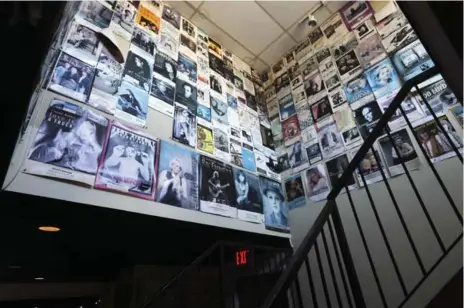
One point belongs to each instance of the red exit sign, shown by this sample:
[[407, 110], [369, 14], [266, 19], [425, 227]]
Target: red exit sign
[[241, 257]]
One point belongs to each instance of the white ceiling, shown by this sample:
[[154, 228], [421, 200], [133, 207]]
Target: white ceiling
[[258, 32]]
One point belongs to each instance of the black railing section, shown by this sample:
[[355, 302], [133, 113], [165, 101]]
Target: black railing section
[[227, 274], [336, 277]]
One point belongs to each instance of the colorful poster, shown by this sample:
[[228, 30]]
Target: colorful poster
[[128, 163], [358, 92], [291, 130], [249, 203], [205, 141], [217, 189], [68, 143], [274, 209], [294, 192], [248, 159], [146, 19], [321, 109], [336, 167], [383, 78], [177, 183], [286, 107]]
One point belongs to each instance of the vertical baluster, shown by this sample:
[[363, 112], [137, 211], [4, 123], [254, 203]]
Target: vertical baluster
[[340, 234], [321, 270], [432, 167], [332, 272], [311, 283], [298, 292]]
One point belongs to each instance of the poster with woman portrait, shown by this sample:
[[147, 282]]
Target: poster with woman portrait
[[184, 126], [274, 209], [330, 139], [316, 184], [217, 187], [336, 167], [294, 192], [138, 70], [383, 78], [433, 139], [291, 130], [369, 168], [128, 162], [249, 203], [177, 183], [297, 157], [404, 152], [68, 143], [72, 77]]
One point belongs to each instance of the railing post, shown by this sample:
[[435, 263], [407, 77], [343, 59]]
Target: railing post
[[347, 259], [221, 275]]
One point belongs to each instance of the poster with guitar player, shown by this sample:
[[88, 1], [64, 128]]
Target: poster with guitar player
[[177, 183], [217, 188]]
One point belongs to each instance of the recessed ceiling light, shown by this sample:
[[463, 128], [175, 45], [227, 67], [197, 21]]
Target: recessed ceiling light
[[49, 229], [39, 278], [14, 266]]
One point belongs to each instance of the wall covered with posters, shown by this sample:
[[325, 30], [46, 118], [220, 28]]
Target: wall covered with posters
[[178, 127]]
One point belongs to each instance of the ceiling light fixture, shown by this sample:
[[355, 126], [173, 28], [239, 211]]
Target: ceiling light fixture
[[14, 266], [49, 229], [39, 278]]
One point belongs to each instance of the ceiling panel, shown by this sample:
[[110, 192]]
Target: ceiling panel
[[300, 30], [221, 37], [286, 13], [259, 65], [334, 6], [277, 50], [182, 7], [195, 4], [245, 21]]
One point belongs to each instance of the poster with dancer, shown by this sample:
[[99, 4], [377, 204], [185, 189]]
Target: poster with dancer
[[177, 183], [406, 152], [128, 163], [184, 126], [249, 203], [294, 192], [274, 209], [217, 187], [68, 143], [316, 184]]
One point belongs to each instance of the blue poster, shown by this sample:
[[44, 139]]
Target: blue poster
[[412, 60], [356, 89], [383, 78], [248, 158], [204, 112], [177, 183]]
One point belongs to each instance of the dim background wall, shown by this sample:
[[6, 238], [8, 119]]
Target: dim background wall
[[159, 125], [447, 224]]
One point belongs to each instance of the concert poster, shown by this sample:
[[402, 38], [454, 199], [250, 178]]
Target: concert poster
[[370, 50], [313, 151], [132, 104], [410, 107], [330, 139], [412, 60], [291, 130], [249, 203], [352, 137], [383, 78], [321, 109], [369, 168], [297, 156], [336, 167], [294, 192], [305, 117], [236, 152], [128, 163], [348, 65], [355, 12], [205, 141], [437, 93], [367, 117], [406, 152], [184, 126], [68, 144], [337, 98], [217, 187], [358, 92], [334, 28], [286, 107], [248, 158], [177, 183], [274, 207], [221, 141]]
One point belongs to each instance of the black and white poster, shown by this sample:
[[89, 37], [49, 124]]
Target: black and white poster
[[171, 17], [297, 157], [132, 104], [106, 83], [334, 28], [188, 47], [165, 67], [249, 203], [138, 71], [178, 177], [236, 155], [406, 152], [72, 77], [94, 15], [83, 44], [352, 137], [219, 109], [314, 87], [412, 60], [348, 65], [316, 183], [309, 67], [162, 96], [123, 21], [438, 95], [303, 51], [184, 126], [370, 50], [329, 139], [313, 151], [186, 68], [221, 141], [216, 64], [186, 95], [399, 38], [217, 187], [144, 41], [68, 143], [433, 139], [366, 117], [216, 82], [275, 211], [345, 45], [390, 24], [294, 192], [410, 107], [336, 167], [321, 109], [337, 98], [169, 40], [128, 163]]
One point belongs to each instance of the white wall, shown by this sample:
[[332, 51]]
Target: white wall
[[446, 222], [159, 125]]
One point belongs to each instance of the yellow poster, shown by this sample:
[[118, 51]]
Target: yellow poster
[[205, 139], [148, 20]]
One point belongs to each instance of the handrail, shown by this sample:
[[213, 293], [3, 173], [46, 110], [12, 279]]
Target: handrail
[[199, 259], [291, 271]]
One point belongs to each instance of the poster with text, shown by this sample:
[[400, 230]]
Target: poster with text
[[316, 184], [249, 203], [275, 211], [294, 192]]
